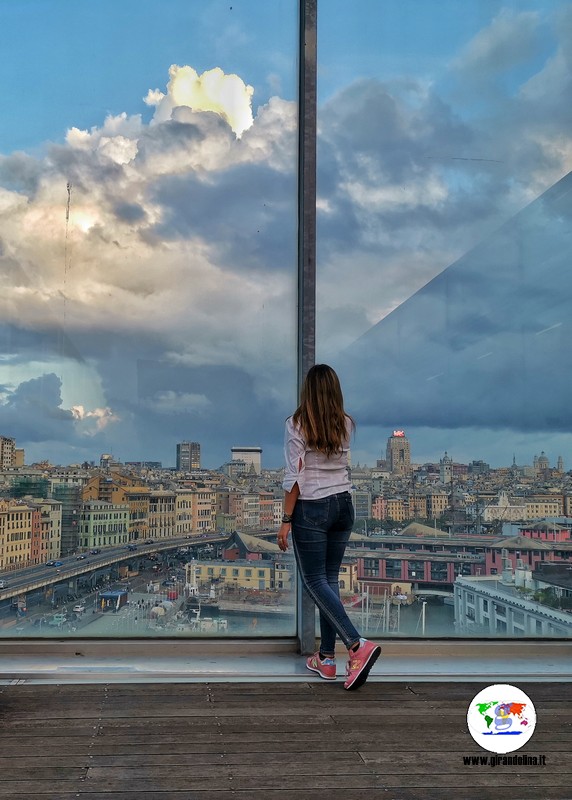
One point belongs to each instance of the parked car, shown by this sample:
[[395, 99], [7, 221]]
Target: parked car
[[79, 608]]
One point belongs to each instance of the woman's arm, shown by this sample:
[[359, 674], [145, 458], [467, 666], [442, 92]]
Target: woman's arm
[[290, 499], [294, 453]]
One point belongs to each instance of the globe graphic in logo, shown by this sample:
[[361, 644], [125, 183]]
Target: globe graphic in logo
[[501, 718]]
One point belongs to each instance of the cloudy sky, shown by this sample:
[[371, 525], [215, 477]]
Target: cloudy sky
[[148, 213]]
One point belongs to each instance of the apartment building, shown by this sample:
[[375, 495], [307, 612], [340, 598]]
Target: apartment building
[[103, 524], [19, 525], [7, 452], [162, 505], [188, 456]]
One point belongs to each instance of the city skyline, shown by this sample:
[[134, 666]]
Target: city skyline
[[554, 461]]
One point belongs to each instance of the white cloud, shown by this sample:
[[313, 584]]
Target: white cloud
[[226, 95], [100, 417], [429, 190], [122, 263], [510, 39]]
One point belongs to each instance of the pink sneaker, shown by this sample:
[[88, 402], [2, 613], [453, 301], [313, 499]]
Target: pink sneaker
[[326, 669], [360, 663]]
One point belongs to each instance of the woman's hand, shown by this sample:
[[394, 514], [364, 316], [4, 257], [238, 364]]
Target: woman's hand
[[283, 536]]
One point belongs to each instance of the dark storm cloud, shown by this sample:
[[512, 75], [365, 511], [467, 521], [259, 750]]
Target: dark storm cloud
[[20, 172], [84, 170], [487, 342], [185, 131], [258, 227], [238, 415], [129, 212], [33, 413], [399, 137], [45, 343], [375, 135], [375, 119]]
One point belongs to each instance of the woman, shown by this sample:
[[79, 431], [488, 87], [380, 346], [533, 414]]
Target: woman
[[318, 509]]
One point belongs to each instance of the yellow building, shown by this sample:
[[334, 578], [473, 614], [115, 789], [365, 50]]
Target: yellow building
[[204, 510], [418, 506], [251, 510], [395, 509], [437, 503], [258, 575], [161, 514], [348, 577], [137, 498], [184, 512], [539, 509], [16, 530]]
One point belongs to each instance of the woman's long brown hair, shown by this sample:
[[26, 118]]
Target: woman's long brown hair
[[321, 414]]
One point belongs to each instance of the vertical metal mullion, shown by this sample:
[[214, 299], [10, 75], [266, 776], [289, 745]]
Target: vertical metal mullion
[[307, 107]]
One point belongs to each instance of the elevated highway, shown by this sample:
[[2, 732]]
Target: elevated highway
[[40, 576]]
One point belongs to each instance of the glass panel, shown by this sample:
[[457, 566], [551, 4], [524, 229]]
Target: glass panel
[[148, 254], [444, 217]]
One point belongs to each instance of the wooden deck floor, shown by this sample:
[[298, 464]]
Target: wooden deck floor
[[268, 741]]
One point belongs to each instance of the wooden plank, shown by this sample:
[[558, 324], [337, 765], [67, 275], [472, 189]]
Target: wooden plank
[[44, 772], [184, 794], [163, 759], [29, 788], [28, 763], [108, 783], [454, 691], [276, 759], [151, 748], [481, 793], [53, 727], [190, 773], [221, 741]]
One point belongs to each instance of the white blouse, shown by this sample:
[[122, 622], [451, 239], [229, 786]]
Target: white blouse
[[317, 475]]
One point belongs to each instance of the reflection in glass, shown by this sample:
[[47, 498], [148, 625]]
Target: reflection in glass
[[148, 254], [444, 243]]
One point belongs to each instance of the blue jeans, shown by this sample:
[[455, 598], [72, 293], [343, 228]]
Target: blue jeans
[[320, 533]]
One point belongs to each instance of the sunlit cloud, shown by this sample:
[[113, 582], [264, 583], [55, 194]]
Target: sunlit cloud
[[225, 95], [101, 417]]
